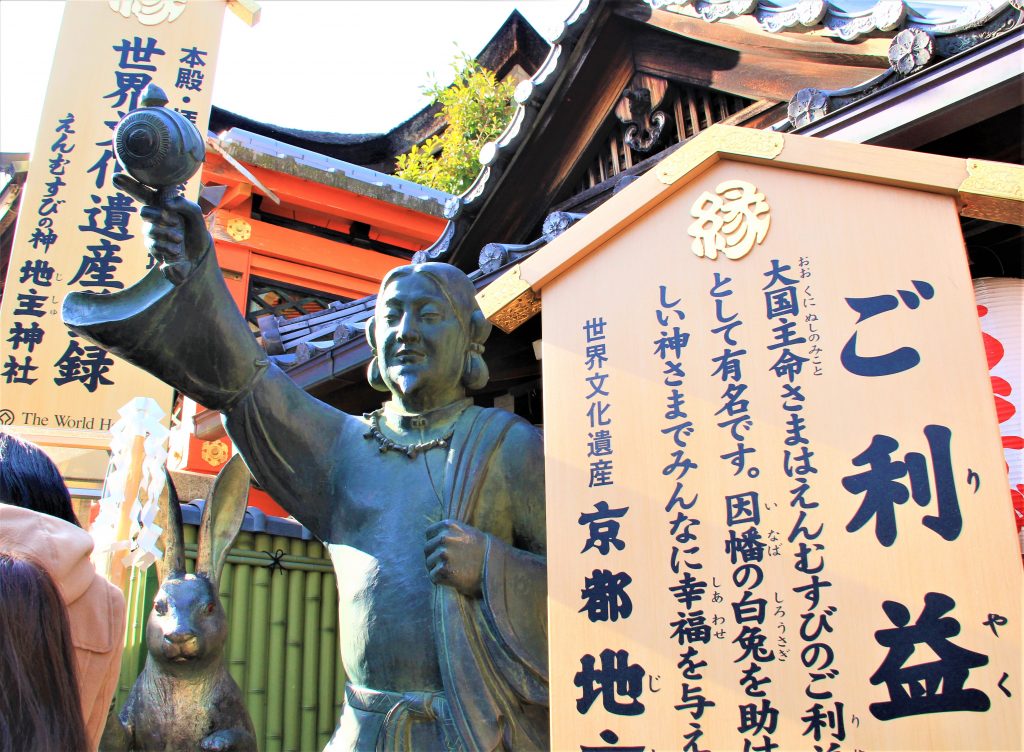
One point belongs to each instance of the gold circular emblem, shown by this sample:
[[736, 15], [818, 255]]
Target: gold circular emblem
[[215, 453], [239, 229]]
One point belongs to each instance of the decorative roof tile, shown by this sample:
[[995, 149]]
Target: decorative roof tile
[[846, 19]]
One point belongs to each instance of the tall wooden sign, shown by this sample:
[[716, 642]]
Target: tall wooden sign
[[76, 231], [777, 506]]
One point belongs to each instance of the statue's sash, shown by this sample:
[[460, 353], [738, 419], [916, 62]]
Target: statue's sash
[[489, 675]]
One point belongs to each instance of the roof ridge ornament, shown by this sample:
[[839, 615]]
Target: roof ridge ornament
[[910, 51]]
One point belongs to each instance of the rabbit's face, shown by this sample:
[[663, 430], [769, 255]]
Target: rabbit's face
[[187, 623]]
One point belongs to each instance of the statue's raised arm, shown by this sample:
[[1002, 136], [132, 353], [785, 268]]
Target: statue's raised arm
[[180, 323]]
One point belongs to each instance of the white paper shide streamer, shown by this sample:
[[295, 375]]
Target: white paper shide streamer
[[133, 487]]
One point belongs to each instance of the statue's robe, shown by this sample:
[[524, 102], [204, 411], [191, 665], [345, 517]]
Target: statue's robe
[[317, 462]]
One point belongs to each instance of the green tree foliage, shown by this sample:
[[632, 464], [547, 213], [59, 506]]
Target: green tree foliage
[[477, 107]]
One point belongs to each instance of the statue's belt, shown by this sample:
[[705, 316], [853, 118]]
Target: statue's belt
[[381, 701], [400, 710]]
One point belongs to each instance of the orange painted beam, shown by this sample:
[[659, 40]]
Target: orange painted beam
[[320, 280], [265, 503], [238, 198], [232, 257], [302, 248], [336, 201], [402, 241], [308, 216]]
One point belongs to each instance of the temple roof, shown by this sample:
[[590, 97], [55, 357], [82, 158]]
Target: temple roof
[[818, 76], [516, 50], [811, 58], [815, 71], [280, 156]]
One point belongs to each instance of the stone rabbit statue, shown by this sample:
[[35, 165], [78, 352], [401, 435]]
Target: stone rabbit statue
[[185, 699]]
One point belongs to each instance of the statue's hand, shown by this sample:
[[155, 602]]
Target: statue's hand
[[455, 556], [175, 231], [227, 740]]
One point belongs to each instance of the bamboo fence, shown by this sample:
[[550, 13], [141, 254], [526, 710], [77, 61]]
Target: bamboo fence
[[282, 646]]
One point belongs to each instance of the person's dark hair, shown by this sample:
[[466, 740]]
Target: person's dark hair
[[29, 479], [40, 707]]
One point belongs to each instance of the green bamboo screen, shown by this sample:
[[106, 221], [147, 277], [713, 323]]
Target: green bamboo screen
[[282, 646]]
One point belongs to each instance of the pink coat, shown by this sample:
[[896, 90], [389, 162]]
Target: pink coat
[[95, 606]]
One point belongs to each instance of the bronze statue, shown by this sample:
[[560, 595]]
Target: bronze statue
[[185, 698], [432, 508]]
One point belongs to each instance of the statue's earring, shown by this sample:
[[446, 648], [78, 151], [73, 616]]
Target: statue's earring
[[373, 369], [371, 334], [475, 372], [374, 377]]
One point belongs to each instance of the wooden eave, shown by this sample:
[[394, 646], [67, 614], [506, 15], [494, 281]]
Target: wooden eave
[[10, 202], [755, 72], [416, 225], [358, 148], [338, 368], [744, 34], [985, 190], [979, 83], [288, 165], [845, 21], [616, 43]]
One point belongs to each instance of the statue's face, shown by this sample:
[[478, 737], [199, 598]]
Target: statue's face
[[420, 343]]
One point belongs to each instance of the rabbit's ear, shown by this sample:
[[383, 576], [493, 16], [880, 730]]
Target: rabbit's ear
[[222, 517], [168, 517]]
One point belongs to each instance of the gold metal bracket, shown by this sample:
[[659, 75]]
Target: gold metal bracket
[[743, 142], [993, 191], [247, 10], [509, 301]]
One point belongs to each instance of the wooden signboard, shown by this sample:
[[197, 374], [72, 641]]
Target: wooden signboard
[[777, 506], [76, 231]]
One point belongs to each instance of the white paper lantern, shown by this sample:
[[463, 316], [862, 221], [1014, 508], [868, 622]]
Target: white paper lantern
[[1001, 308]]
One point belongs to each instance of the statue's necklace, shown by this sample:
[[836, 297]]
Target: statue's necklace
[[420, 422], [410, 450]]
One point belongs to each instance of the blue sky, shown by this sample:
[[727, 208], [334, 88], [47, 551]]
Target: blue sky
[[352, 67]]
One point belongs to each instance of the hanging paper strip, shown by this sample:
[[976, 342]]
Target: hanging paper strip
[[140, 421]]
